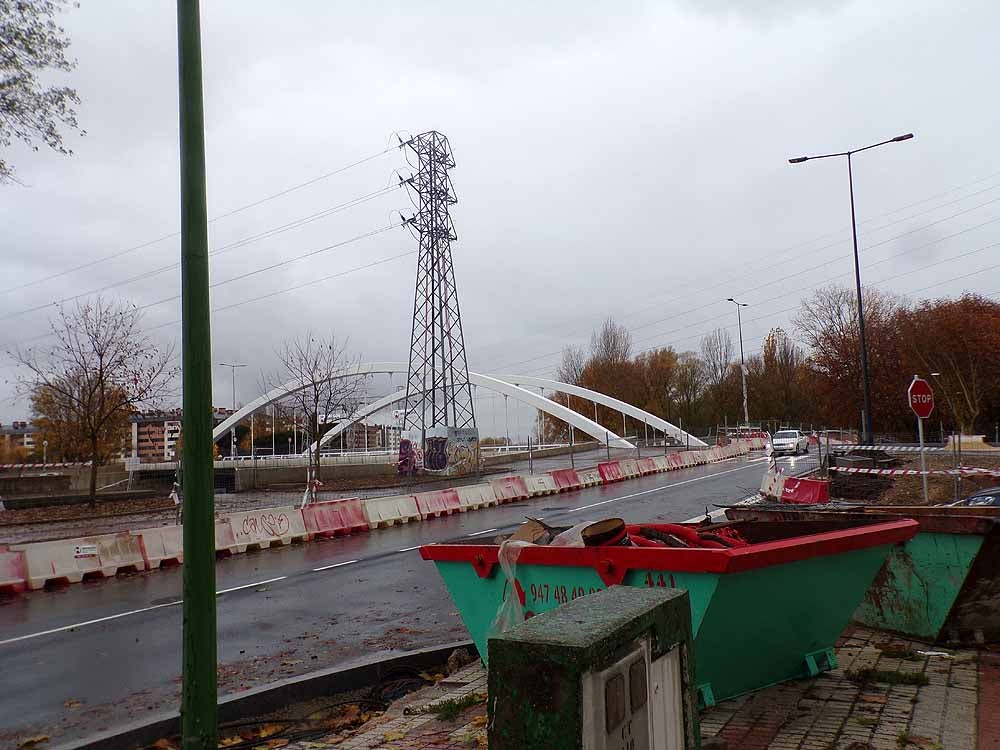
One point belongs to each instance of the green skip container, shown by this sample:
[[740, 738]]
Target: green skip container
[[942, 586], [761, 614]]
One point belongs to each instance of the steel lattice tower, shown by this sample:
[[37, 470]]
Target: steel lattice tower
[[438, 393]]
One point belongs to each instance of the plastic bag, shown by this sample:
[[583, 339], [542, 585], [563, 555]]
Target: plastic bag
[[511, 610]]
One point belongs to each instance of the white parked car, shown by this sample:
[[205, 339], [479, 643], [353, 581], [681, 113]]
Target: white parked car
[[789, 441]]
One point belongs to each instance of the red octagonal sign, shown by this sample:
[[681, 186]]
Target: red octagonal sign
[[921, 397]]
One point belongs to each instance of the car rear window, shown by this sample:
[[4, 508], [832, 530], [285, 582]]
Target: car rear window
[[786, 434]]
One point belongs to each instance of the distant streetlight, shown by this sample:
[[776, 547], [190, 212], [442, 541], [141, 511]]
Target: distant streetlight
[[45, 452], [232, 432], [866, 425], [743, 365]]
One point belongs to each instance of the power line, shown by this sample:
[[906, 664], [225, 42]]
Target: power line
[[771, 315], [806, 270], [302, 221], [311, 253], [799, 245], [286, 290], [225, 215]]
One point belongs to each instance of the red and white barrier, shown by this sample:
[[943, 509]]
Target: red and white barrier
[[13, 572], [566, 479], [388, 511], [772, 485], [438, 503], [475, 496], [509, 489], [611, 471], [590, 477], [225, 540], [630, 468], [260, 529], [161, 545], [334, 517], [805, 491], [541, 484], [71, 560], [646, 466]]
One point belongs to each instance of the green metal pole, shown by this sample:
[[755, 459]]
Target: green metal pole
[[199, 695]]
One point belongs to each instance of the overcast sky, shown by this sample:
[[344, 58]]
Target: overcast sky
[[625, 160]]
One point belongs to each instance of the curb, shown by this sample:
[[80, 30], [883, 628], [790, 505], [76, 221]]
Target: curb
[[271, 697]]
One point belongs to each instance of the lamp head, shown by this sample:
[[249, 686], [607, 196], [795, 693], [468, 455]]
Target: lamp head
[[798, 160]]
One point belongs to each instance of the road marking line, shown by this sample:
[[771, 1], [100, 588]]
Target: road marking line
[[250, 585], [664, 487], [409, 549], [88, 622], [335, 565], [485, 531]]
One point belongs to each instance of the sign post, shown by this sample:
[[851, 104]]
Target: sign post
[[921, 397]]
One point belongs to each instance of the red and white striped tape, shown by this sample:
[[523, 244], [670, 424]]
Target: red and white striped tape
[[964, 471]]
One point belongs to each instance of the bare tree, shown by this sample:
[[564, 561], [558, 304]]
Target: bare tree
[[717, 357], [611, 345], [689, 383], [32, 42], [100, 370], [570, 370], [324, 384]]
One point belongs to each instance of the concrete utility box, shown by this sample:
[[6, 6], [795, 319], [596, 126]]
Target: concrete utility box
[[609, 671]]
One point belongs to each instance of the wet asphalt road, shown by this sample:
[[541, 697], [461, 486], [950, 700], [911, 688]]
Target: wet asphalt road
[[115, 645]]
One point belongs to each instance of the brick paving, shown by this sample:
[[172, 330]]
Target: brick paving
[[958, 708]]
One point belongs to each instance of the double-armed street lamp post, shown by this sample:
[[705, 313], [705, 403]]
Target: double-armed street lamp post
[[866, 423], [743, 364]]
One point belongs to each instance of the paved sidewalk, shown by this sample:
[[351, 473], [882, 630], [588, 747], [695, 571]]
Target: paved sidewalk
[[915, 696]]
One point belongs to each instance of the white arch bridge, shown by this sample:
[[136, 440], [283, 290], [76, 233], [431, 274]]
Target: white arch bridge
[[512, 386]]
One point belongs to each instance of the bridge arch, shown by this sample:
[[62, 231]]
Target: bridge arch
[[541, 403]]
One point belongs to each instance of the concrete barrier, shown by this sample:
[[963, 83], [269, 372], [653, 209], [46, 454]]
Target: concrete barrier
[[267, 527], [509, 489], [161, 545], [541, 484], [438, 503], [772, 485], [334, 517], [388, 511], [72, 560], [225, 540], [590, 477], [630, 468], [646, 466], [611, 471], [474, 496], [13, 572], [662, 463], [566, 479]]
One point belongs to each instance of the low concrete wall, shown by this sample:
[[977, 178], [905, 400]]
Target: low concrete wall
[[249, 478]]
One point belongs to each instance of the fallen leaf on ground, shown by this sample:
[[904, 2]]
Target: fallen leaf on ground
[[479, 721], [270, 744], [72, 703], [393, 736], [874, 699], [38, 739], [164, 744]]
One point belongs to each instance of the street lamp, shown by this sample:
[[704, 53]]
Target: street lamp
[[743, 364], [866, 424], [45, 452], [232, 432]]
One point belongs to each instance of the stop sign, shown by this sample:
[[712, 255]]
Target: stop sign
[[921, 397]]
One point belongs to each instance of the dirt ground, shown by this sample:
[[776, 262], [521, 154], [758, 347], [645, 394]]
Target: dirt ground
[[909, 490]]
